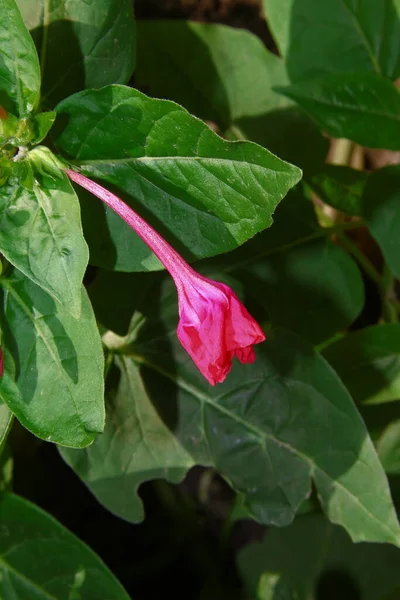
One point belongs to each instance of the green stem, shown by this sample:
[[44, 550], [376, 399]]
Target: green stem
[[390, 310], [362, 259]]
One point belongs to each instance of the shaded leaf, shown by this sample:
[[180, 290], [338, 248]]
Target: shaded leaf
[[19, 65], [341, 187], [40, 559], [136, 446], [53, 364], [388, 447], [204, 194], [216, 72], [290, 134], [41, 234], [289, 564], [362, 107], [269, 429], [350, 36], [295, 259], [381, 207], [80, 44], [368, 363]]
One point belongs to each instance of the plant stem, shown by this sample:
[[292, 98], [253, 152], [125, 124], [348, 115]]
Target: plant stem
[[365, 263]]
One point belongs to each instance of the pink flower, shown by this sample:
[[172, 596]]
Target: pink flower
[[214, 326]]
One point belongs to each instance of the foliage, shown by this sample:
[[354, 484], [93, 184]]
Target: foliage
[[222, 146]]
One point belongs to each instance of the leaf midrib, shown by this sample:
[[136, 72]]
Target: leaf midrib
[[363, 37]]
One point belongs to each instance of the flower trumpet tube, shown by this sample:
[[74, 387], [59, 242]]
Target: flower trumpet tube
[[214, 326]]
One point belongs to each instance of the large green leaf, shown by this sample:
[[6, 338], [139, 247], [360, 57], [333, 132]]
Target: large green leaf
[[360, 106], [312, 559], [337, 36], [270, 429], [204, 194], [81, 44], [53, 364], [19, 65], [136, 446], [41, 560], [368, 363], [381, 208], [216, 72], [41, 234]]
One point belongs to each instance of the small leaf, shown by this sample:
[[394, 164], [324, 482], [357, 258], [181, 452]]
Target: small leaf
[[269, 429], [350, 36], [99, 36], [41, 232], [368, 363], [19, 65], [53, 364], [216, 72], [381, 208], [362, 107], [43, 123], [204, 194], [340, 187], [41, 560]]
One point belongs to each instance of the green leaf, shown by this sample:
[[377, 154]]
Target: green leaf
[[138, 445], [368, 363], [98, 38], [388, 448], [290, 134], [310, 555], [6, 418], [349, 35], [204, 194], [43, 122], [216, 72], [269, 429], [41, 560], [340, 187], [19, 65], [381, 206], [362, 107], [41, 233], [53, 364], [324, 281], [295, 259]]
